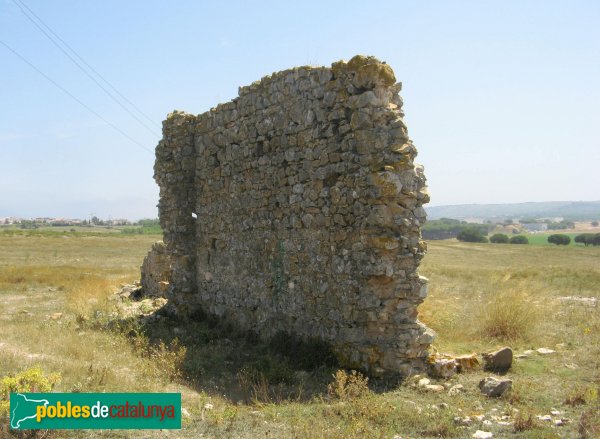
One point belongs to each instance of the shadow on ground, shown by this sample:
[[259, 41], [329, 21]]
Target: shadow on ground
[[215, 356], [211, 355]]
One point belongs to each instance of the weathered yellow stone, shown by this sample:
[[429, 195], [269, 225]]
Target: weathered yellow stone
[[360, 60], [387, 182], [467, 362], [384, 242], [376, 74], [401, 148]]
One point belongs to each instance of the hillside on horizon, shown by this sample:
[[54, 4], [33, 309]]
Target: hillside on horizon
[[573, 210]]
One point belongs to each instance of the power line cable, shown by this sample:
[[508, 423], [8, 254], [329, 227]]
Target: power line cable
[[22, 5], [75, 98]]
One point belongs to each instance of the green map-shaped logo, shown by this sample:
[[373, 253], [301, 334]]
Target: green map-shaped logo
[[24, 409]]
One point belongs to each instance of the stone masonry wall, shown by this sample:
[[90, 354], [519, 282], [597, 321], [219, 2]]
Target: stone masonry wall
[[297, 207]]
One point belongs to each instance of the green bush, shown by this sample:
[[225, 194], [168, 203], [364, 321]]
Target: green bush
[[559, 239], [348, 386], [519, 239], [499, 238], [30, 380], [588, 239], [471, 234]]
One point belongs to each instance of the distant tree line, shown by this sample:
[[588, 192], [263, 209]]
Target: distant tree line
[[28, 224], [446, 228], [561, 225], [475, 235], [144, 227]]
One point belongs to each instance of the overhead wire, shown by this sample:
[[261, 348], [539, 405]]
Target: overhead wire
[[54, 37], [75, 98]]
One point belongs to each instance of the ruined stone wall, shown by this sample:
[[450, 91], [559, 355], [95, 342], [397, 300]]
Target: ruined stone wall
[[156, 271], [297, 207]]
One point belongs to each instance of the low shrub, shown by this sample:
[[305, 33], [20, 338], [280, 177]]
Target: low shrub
[[508, 316], [30, 380], [499, 238], [523, 423], [347, 386], [589, 423], [471, 234], [519, 239], [559, 239]]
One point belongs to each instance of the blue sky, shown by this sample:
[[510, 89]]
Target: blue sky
[[502, 99]]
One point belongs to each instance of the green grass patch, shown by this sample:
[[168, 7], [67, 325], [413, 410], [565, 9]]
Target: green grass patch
[[142, 230], [542, 238]]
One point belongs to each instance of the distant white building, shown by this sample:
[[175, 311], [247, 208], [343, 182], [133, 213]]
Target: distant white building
[[554, 219], [65, 222], [535, 227], [118, 222], [473, 220]]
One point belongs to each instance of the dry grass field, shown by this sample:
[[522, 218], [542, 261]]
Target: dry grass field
[[55, 314]]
